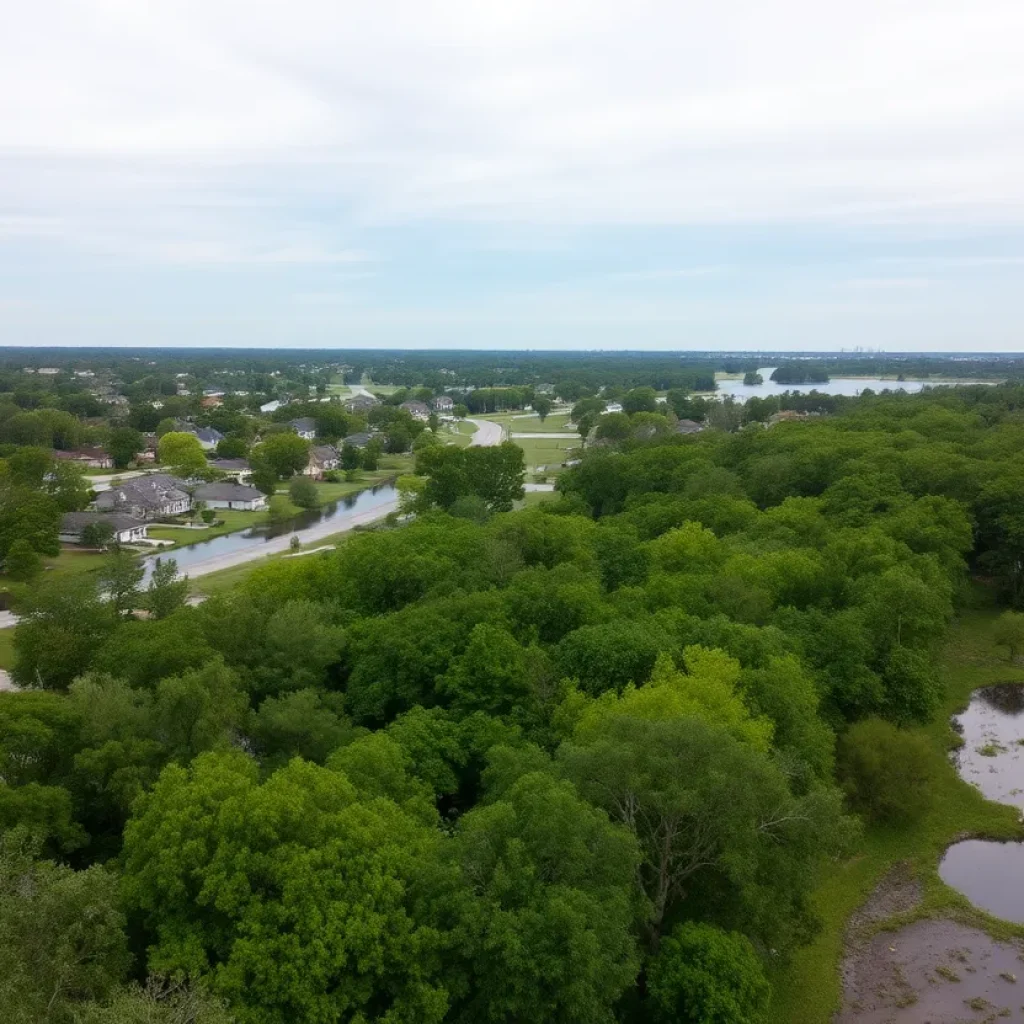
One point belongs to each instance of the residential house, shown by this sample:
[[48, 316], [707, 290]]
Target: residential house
[[360, 440], [126, 529], [90, 458], [361, 403], [211, 401], [48, 371], [305, 427], [226, 494], [417, 410], [208, 437], [688, 427], [147, 497], [269, 407], [443, 404], [237, 469], [323, 458]]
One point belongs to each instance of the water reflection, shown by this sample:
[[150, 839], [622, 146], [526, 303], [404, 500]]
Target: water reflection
[[335, 513], [992, 755], [836, 386], [989, 874]]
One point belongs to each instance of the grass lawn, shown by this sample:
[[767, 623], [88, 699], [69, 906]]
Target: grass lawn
[[556, 423], [534, 498], [807, 990], [546, 451], [233, 520], [7, 648]]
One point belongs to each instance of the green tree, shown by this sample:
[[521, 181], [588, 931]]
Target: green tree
[[182, 453], [233, 446], [285, 454], [124, 444], [303, 492], [460, 411], [541, 406], [703, 975], [293, 898], [640, 400], [63, 625], [22, 562], [120, 579], [614, 426], [1008, 632], [546, 876], [30, 516], [371, 455], [305, 723], [889, 774], [62, 935], [98, 534], [160, 1001], [167, 591]]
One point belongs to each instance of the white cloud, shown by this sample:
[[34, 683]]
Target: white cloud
[[598, 112]]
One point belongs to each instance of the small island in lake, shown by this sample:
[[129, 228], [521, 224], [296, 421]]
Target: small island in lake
[[796, 374], [752, 379]]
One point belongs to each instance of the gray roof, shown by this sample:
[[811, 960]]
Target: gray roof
[[360, 440], [306, 423], [227, 491], [208, 434], [230, 465], [76, 522], [323, 452], [148, 492], [363, 401], [688, 427], [414, 407]]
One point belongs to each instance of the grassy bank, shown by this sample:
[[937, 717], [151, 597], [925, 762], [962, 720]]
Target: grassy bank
[[7, 648], [807, 990]]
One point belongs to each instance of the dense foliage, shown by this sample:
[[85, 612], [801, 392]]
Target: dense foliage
[[573, 764]]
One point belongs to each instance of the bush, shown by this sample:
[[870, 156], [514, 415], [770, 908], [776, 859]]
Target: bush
[[303, 492], [23, 562], [703, 975], [332, 476], [888, 774], [208, 515]]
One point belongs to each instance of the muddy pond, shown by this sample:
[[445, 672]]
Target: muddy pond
[[991, 874], [938, 971]]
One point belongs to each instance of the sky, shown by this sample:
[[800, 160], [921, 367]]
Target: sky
[[650, 174]]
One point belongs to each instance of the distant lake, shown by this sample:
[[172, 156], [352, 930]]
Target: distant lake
[[836, 386]]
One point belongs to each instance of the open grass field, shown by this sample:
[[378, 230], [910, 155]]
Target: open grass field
[[555, 423], [545, 451], [6, 648], [807, 990]]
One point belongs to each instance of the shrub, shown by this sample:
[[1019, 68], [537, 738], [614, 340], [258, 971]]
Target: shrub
[[888, 774], [208, 515], [303, 492]]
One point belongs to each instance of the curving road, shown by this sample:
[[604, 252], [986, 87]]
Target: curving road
[[487, 433]]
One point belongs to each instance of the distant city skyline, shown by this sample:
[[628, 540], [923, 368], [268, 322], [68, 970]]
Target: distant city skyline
[[478, 175]]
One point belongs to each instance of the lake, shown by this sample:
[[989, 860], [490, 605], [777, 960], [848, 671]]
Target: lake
[[851, 386]]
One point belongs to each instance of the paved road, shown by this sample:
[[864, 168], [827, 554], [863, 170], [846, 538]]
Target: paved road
[[487, 433], [101, 482], [8, 619], [538, 487]]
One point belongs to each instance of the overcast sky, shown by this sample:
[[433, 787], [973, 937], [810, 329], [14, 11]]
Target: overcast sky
[[559, 174]]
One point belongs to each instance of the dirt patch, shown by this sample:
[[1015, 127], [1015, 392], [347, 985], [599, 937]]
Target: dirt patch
[[897, 893], [931, 972]]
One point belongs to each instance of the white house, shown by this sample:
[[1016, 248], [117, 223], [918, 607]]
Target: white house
[[228, 495], [417, 410], [125, 529], [443, 403]]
